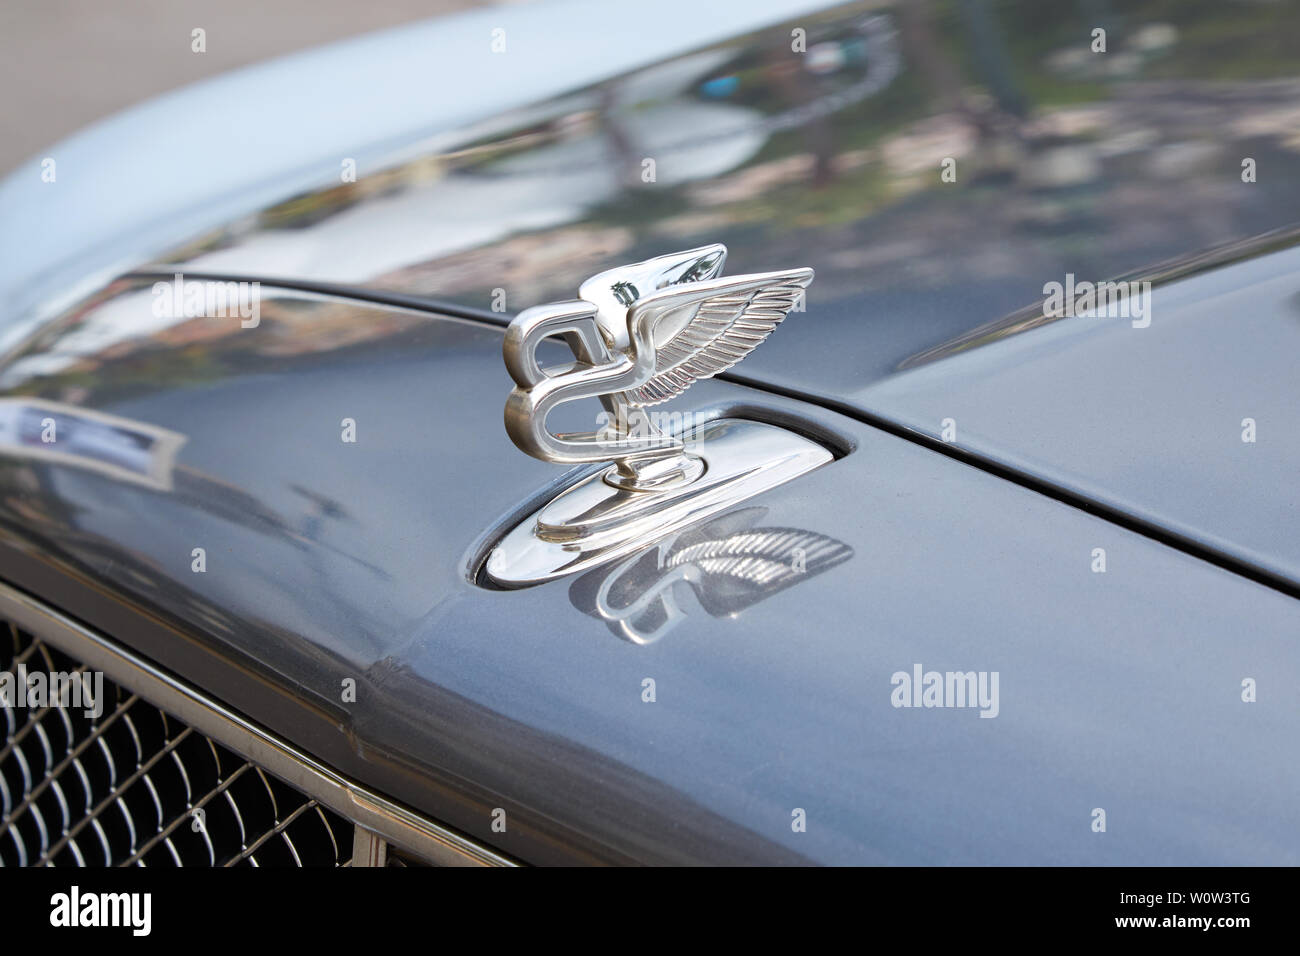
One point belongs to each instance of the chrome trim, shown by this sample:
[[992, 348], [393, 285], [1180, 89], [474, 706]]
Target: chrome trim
[[364, 808], [640, 335], [368, 849], [592, 522]]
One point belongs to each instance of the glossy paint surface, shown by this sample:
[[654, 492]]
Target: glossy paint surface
[[328, 561], [1063, 161], [1066, 163], [210, 155], [1184, 423]]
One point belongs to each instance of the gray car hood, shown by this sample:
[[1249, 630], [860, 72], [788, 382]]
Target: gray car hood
[[976, 553]]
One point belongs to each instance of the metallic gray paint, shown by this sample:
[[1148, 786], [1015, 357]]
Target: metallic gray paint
[[1059, 171], [1149, 420], [328, 561], [1100, 176]]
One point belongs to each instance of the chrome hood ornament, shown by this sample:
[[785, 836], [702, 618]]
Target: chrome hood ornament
[[640, 335]]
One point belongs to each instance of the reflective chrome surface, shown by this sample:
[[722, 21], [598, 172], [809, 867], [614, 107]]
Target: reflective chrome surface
[[596, 521], [728, 565], [640, 334]]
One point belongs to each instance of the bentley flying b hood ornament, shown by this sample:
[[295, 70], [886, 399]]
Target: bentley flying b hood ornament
[[640, 335]]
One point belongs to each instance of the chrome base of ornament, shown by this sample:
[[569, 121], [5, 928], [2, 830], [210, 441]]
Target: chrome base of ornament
[[596, 520]]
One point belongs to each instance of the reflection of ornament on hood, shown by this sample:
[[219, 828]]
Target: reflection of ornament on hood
[[727, 565]]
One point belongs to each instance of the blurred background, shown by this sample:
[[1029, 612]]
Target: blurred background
[[67, 63]]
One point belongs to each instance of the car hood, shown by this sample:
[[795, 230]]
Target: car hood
[[926, 308], [1178, 422], [965, 549], [661, 708]]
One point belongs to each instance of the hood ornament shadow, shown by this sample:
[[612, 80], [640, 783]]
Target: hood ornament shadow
[[727, 565], [642, 334]]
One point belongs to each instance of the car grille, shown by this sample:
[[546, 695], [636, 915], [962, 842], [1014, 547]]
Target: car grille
[[135, 786]]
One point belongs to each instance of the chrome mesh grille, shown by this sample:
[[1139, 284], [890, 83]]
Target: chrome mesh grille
[[135, 786]]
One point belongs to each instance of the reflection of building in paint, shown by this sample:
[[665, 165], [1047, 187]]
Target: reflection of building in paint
[[536, 170], [554, 177], [121, 448], [125, 326], [727, 565]]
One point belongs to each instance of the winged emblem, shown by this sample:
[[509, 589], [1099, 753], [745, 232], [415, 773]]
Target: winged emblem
[[729, 564], [640, 334]]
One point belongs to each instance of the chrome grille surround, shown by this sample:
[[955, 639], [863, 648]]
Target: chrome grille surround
[[165, 776], [134, 786]]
